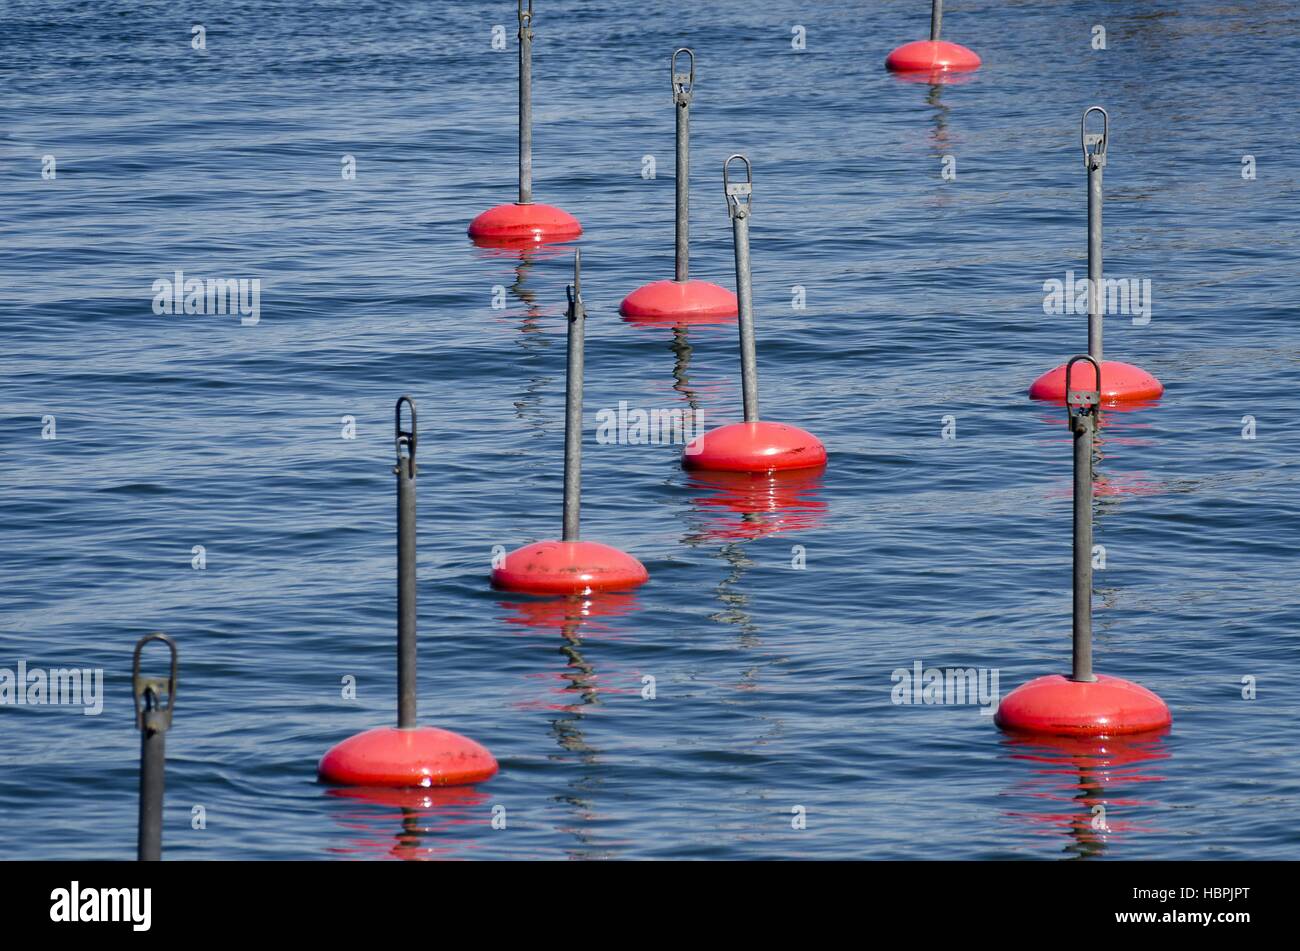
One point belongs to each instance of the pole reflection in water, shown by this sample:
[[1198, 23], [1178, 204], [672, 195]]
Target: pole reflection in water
[[1085, 790], [578, 692], [410, 824]]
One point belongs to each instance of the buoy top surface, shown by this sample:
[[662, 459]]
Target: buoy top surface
[[523, 224], [1121, 382], [1059, 706], [558, 567], [754, 447], [679, 302], [926, 56], [424, 756]]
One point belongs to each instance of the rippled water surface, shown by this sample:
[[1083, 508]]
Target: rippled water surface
[[924, 299]]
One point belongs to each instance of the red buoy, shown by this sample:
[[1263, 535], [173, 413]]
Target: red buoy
[[516, 224], [679, 302], [408, 755], [754, 447], [423, 756], [932, 56], [557, 567], [1124, 383], [1058, 706], [1083, 704], [524, 222], [570, 566]]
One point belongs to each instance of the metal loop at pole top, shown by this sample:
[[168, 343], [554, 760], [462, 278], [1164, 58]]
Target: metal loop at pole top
[[735, 191], [1097, 140], [151, 713], [574, 291], [525, 18], [1085, 401], [404, 437], [683, 83]]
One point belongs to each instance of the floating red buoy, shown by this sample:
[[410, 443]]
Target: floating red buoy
[[408, 755], [1056, 705], [423, 756], [557, 567], [510, 225], [679, 302], [754, 447], [932, 56], [1124, 383], [570, 566], [524, 222], [1083, 704]]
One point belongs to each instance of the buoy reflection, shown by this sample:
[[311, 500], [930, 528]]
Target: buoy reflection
[[736, 506], [1090, 792], [409, 824]]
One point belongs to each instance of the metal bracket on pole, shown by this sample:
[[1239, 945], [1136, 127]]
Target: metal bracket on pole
[[683, 83], [735, 191], [154, 699], [1082, 407], [151, 712], [576, 314], [404, 438], [1096, 141]]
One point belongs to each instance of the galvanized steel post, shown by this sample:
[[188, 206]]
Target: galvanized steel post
[[1095, 161], [683, 89], [405, 470], [936, 19], [154, 700], [1082, 407], [577, 315], [740, 210], [525, 102]]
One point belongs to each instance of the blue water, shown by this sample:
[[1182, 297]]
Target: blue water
[[924, 300]]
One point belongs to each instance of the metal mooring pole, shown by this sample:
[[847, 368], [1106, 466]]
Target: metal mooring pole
[[1082, 407], [525, 102], [154, 699], [936, 19], [739, 210], [683, 89], [405, 470], [577, 315], [1095, 160]]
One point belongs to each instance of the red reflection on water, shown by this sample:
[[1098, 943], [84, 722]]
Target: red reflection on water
[[1086, 789], [746, 505], [576, 618], [414, 824], [938, 77], [567, 613]]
